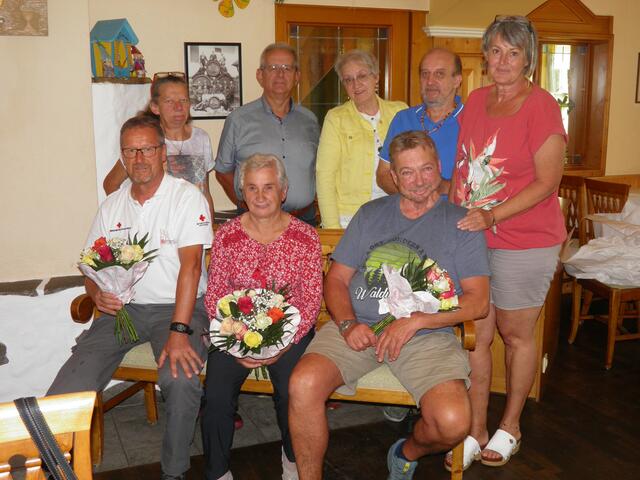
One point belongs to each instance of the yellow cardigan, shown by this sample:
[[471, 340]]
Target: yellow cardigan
[[344, 164]]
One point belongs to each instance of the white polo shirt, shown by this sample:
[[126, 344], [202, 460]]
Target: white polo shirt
[[176, 216]]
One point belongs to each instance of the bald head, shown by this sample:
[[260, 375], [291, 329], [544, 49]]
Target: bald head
[[440, 77]]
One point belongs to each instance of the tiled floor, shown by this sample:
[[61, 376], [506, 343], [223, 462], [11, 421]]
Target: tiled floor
[[129, 440]]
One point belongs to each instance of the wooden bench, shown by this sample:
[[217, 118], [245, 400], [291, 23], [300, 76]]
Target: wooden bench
[[139, 366]]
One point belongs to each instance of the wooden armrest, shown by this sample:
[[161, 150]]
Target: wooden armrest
[[82, 308], [468, 334]]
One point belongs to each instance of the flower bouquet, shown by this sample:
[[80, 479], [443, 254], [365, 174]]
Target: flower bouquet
[[418, 286], [256, 324], [115, 265]]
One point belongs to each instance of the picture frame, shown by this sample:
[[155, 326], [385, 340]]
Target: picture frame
[[214, 76], [638, 81]]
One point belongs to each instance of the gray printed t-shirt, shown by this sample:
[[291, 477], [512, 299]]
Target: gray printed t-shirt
[[254, 128], [379, 230]]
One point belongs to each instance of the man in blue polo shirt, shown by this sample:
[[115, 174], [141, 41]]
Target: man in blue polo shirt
[[440, 77]]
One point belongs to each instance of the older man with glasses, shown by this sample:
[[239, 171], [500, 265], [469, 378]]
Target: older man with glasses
[[167, 307], [273, 124]]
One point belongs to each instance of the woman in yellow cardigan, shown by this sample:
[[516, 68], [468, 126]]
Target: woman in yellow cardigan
[[351, 137]]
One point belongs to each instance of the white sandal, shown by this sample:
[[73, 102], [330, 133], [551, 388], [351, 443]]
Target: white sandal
[[504, 444], [471, 454]]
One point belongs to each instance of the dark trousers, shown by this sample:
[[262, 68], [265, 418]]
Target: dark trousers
[[225, 376]]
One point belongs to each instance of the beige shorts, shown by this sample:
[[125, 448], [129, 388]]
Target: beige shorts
[[424, 362]]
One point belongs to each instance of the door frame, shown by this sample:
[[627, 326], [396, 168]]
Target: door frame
[[399, 23]]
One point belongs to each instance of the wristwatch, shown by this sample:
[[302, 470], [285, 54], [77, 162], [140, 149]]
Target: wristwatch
[[181, 328], [345, 325]]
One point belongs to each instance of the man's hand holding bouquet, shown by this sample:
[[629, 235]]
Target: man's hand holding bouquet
[[115, 265]]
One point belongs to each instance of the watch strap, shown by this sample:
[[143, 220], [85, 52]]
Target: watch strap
[[181, 328], [345, 325]]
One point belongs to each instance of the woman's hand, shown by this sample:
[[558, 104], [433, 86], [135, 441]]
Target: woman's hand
[[476, 220], [251, 363]]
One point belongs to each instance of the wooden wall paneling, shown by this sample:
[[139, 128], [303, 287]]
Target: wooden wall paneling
[[470, 52], [420, 44]]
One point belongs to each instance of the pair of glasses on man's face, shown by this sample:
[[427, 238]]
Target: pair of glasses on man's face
[[282, 67], [147, 152]]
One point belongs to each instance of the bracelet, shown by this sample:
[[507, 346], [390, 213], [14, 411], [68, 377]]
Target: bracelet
[[180, 328], [493, 219], [345, 325]]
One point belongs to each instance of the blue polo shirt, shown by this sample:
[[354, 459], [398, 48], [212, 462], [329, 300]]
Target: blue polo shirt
[[445, 138]]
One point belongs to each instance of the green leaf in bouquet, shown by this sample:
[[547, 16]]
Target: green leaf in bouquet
[[235, 311], [394, 254]]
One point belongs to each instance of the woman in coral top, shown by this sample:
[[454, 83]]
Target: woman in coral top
[[264, 246], [508, 167]]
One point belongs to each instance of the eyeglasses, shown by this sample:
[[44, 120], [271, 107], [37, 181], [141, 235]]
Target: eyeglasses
[[283, 67], [147, 152], [160, 75], [360, 78]]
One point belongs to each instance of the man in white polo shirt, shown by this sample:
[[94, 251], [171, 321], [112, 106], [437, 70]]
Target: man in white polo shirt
[[167, 308]]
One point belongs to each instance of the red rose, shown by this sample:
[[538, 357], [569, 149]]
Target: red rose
[[448, 294], [275, 314], [99, 243], [245, 305], [106, 255]]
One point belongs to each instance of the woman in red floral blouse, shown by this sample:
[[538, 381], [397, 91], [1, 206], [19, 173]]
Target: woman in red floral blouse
[[265, 246]]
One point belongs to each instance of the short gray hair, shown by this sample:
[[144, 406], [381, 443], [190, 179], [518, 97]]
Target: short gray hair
[[408, 141], [359, 56], [517, 31], [263, 160], [278, 46]]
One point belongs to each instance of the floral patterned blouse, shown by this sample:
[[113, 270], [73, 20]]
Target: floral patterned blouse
[[293, 259]]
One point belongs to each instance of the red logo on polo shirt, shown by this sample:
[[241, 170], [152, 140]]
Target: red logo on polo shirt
[[202, 218], [118, 225]]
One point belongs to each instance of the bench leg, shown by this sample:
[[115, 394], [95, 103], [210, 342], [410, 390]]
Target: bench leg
[[456, 462], [150, 403]]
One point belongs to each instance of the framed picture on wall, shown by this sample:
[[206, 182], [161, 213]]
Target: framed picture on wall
[[214, 73]]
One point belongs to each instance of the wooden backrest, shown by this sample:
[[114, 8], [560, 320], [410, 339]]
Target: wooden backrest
[[572, 190], [69, 418], [329, 238], [605, 197]]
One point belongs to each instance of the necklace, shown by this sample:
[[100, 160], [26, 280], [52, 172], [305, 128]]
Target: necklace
[[174, 142], [438, 125]]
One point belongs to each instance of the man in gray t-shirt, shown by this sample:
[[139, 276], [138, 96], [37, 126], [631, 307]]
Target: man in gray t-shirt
[[421, 350], [273, 124]]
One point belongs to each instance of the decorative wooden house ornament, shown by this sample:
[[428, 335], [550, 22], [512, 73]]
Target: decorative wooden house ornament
[[111, 42]]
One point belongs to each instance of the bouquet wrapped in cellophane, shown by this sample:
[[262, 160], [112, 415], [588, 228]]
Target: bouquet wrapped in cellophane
[[115, 265], [418, 286], [254, 323]]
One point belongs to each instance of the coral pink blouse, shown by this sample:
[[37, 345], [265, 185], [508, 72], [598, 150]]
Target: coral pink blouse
[[509, 144], [294, 259]]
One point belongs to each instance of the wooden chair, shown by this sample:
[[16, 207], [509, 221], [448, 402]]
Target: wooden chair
[[573, 198], [605, 197], [572, 190], [69, 418], [139, 366]]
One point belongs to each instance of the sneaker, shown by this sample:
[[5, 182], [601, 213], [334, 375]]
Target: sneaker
[[399, 469], [166, 476], [289, 469], [226, 476], [395, 414]]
